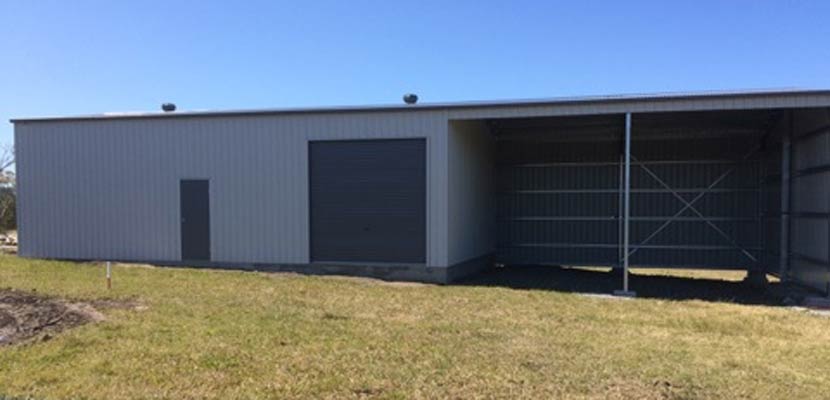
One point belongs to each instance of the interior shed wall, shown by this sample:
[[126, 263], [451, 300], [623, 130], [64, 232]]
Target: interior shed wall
[[559, 199], [809, 218], [471, 191], [691, 166], [109, 189]]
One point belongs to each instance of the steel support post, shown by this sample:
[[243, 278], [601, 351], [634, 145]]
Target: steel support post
[[626, 207], [620, 250]]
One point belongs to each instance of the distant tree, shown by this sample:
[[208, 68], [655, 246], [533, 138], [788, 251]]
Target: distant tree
[[6, 157], [8, 190]]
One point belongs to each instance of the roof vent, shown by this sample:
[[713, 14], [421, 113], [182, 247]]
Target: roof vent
[[410, 98], [168, 107]]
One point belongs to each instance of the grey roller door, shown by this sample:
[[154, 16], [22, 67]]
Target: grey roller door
[[368, 200]]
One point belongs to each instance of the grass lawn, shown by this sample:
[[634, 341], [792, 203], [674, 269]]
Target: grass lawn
[[229, 335]]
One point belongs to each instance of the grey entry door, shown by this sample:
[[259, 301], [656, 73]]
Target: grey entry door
[[194, 196], [368, 200]]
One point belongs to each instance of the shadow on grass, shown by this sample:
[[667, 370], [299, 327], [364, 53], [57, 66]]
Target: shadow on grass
[[573, 280]]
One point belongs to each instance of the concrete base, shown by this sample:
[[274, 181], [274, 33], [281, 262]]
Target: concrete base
[[390, 272], [623, 293]]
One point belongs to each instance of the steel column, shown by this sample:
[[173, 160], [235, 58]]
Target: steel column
[[626, 199], [620, 249]]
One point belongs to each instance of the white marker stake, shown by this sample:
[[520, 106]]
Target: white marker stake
[[109, 275]]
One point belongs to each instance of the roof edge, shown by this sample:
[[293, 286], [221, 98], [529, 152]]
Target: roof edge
[[702, 95]]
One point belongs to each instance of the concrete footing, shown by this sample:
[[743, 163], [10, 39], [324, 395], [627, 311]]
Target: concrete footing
[[756, 279], [390, 272]]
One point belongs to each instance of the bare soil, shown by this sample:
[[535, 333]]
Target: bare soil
[[8, 242], [27, 315]]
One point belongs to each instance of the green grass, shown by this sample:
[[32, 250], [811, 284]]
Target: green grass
[[229, 335]]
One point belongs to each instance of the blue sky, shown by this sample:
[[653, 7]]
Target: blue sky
[[80, 57]]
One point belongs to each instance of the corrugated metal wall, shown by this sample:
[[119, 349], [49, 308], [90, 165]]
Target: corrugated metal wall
[[109, 189], [810, 198]]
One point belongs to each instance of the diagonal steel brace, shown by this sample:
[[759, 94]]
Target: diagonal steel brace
[[690, 205], [700, 215]]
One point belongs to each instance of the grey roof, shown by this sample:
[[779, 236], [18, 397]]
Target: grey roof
[[553, 101]]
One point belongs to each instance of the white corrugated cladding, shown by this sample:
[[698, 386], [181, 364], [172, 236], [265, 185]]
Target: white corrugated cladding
[[109, 188]]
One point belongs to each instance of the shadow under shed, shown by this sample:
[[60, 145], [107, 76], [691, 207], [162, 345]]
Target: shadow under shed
[[577, 280]]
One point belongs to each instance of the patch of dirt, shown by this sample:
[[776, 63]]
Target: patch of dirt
[[8, 242], [367, 392], [376, 281], [130, 265], [356, 279], [657, 390], [26, 315]]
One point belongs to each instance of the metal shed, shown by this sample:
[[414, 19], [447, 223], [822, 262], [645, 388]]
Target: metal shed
[[737, 180]]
